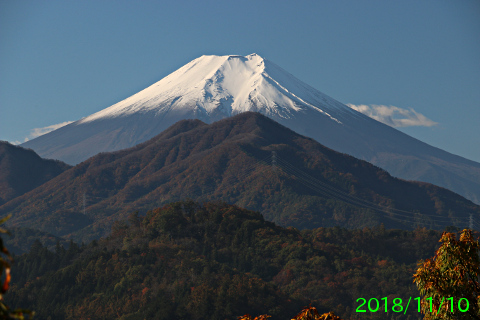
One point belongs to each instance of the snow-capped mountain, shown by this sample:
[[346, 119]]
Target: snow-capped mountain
[[218, 86], [210, 88]]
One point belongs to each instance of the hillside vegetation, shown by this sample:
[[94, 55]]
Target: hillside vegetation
[[216, 261], [22, 170], [306, 185]]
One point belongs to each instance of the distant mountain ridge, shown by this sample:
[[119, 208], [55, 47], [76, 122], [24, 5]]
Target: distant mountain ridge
[[231, 160], [22, 170], [210, 88]]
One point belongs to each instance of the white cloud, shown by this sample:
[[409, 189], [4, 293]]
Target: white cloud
[[37, 132], [394, 116]]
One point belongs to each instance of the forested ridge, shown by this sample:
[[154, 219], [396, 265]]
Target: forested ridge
[[307, 186], [22, 170], [188, 260]]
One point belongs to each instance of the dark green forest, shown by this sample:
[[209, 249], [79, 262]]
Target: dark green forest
[[188, 260]]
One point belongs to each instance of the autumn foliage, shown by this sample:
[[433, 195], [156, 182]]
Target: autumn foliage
[[249, 317], [452, 273], [308, 313], [311, 313], [216, 261]]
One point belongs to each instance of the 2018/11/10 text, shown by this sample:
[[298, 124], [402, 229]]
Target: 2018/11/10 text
[[373, 304]]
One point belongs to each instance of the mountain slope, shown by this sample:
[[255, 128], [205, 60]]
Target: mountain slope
[[210, 88], [22, 170], [306, 186]]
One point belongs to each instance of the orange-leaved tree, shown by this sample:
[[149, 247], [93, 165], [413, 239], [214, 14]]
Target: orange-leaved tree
[[308, 313], [311, 313], [449, 282], [5, 267], [249, 317]]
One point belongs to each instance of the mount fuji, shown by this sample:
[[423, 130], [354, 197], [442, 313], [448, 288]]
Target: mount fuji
[[211, 88]]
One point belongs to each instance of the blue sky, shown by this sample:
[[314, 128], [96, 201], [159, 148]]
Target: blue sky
[[414, 64]]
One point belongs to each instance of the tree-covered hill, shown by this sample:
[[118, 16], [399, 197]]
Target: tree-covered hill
[[20, 240], [22, 170], [248, 160], [217, 261]]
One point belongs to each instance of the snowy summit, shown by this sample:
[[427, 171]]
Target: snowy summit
[[214, 87], [208, 88]]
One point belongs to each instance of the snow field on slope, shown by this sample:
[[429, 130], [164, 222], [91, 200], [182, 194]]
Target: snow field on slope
[[229, 84]]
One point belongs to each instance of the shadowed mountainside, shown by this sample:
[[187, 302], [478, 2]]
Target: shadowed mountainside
[[22, 170], [306, 186]]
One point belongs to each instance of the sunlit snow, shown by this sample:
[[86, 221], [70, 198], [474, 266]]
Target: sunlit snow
[[227, 85]]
